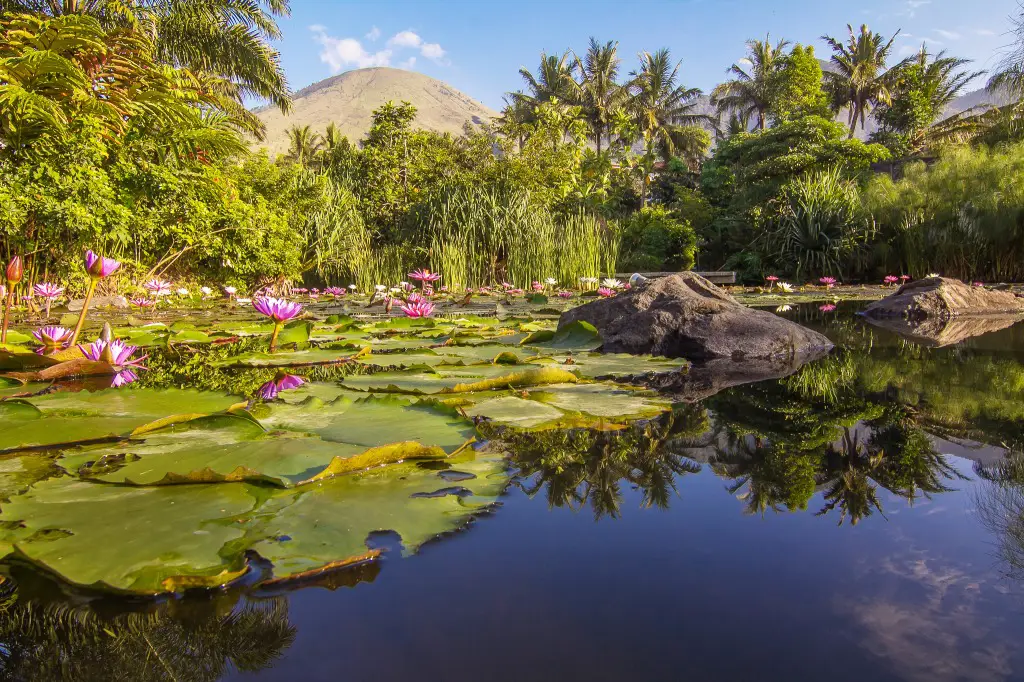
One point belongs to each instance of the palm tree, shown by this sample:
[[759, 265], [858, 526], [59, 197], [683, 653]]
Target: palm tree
[[553, 80], [224, 41], [940, 80], [304, 144], [516, 117], [751, 90], [597, 92], [665, 110], [859, 80]]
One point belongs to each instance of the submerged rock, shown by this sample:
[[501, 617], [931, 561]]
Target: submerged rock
[[684, 315], [943, 297]]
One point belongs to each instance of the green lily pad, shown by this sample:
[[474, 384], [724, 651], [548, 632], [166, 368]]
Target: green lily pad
[[515, 411], [577, 335], [602, 400]]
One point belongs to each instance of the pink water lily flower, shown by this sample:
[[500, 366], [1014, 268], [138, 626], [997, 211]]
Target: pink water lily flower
[[891, 279], [118, 355], [283, 382], [605, 292], [418, 309], [827, 308], [537, 286], [47, 290], [158, 287], [829, 282], [141, 302], [564, 294], [772, 278], [98, 266], [277, 309], [424, 275], [52, 336], [904, 278]]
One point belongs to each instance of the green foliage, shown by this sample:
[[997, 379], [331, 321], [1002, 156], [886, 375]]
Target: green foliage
[[797, 90], [654, 239], [961, 216], [818, 228]]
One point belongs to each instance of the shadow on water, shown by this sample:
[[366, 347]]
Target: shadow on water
[[827, 439]]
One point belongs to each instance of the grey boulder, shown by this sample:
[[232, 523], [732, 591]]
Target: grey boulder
[[943, 298], [684, 315]]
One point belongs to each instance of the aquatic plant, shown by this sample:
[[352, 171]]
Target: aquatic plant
[[605, 292], [230, 291], [118, 355], [49, 292], [828, 282], [282, 382], [142, 302], [52, 336], [98, 267], [15, 271], [889, 280], [771, 279], [278, 310], [611, 283], [419, 308], [827, 308]]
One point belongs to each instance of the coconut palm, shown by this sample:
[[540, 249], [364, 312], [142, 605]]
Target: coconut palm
[[666, 111], [553, 80], [752, 87], [227, 41], [859, 79], [304, 144], [597, 92], [516, 117], [939, 80]]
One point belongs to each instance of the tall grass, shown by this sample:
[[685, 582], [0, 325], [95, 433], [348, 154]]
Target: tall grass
[[388, 264], [476, 236], [962, 216]]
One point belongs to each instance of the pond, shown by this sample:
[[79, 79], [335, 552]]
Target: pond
[[472, 498]]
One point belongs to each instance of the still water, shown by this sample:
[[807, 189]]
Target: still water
[[859, 520]]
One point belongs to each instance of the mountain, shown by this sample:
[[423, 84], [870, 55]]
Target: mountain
[[349, 99]]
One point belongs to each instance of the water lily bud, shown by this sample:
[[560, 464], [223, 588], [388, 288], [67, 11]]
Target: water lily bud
[[107, 334], [15, 270]]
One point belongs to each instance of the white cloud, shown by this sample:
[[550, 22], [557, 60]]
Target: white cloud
[[405, 39], [432, 51], [342, 53], [910, 7], [412, 40], [349, 53], [985, 32], [948, 35]]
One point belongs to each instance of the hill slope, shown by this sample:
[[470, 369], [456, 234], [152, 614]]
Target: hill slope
[[349, 99]]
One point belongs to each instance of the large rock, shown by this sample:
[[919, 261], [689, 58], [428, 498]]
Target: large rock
[[685, 315], [942, 297], [99, 302]]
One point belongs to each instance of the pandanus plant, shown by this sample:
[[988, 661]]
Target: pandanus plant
[[15, 271], [98, 267]]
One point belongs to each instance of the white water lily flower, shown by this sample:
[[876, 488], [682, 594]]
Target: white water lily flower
[[183, 292], [934, 274], [244, 300], [784, 308], [206, 290], [785, 286], [395, 290], [551, 281], [231, 290], [380, 287], [352, 287], [403, 284], [611, 283]]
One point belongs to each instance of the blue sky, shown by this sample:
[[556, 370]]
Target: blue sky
[[477, 46]]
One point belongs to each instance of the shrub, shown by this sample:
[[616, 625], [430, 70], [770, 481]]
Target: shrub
[[653, 238]]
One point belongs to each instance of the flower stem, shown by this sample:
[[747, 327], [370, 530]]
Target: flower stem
[[85, 308], [273, 337], [7, 314]]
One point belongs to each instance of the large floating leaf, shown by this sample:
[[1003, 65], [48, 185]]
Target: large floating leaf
[[135, 539], [515, 411], [296, 536], [602, 400], [373, 421], [576, 335]]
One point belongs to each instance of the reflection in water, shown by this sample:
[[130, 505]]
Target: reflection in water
[[1001, 507], [580, 466], [43, 641], [825, 440]]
